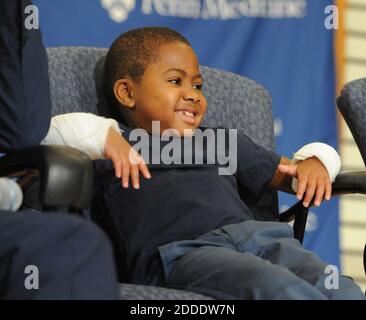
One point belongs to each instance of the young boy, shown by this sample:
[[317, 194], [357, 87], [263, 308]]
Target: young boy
[[188, 227]]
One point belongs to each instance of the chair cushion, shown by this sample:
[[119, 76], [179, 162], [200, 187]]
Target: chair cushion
[[71, 74]]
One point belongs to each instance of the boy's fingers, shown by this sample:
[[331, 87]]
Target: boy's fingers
[[135, 178], [301, 186], [136, 160], [117, 166], [288, 169], [133, 157], [125, 174], [319, 193], [310, 191], [144, 169], [328, 190]]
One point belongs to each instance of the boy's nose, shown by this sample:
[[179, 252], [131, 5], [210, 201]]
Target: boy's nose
[[192, 95]]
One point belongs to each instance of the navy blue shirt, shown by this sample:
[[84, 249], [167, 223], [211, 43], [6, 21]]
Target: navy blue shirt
[[180, 202]]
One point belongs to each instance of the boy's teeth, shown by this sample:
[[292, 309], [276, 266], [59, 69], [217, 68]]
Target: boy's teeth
[[187, 113]]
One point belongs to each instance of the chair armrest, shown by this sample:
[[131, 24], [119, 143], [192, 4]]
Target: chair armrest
[[349, 182], [66, 174], [345, 183]]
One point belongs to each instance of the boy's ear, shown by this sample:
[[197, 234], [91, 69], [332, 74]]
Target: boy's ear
[[123, 92]]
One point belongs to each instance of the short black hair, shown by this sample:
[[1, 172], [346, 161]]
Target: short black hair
[[130, 55]]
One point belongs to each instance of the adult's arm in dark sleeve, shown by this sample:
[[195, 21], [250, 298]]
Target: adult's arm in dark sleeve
[[24, 89]]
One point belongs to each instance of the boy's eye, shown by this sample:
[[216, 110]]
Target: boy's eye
[[198, 87], [175, 81]]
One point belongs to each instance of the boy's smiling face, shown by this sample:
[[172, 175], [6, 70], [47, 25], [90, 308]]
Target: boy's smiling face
[[170, 91]]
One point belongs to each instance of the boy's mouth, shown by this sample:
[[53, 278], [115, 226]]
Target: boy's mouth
[[188, 115]]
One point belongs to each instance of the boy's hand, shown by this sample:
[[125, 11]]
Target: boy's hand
[[126, 161], [313, 178]]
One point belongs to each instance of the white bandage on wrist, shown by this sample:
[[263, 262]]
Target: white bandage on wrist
[[83, 131], [325, 153]]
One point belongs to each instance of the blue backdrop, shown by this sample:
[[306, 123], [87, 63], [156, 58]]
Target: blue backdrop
[[282, 44]]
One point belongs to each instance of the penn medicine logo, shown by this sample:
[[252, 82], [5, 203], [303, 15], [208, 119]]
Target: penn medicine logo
[[118, 9], [208, 9]]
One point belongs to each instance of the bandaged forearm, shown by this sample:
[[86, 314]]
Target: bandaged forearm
[[83, 131], [325, 153]]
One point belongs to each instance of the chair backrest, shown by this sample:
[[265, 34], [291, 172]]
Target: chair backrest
[[233, 101], [352, 105]]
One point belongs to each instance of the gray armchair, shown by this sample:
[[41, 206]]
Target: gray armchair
[[352, 105], [233, 101]]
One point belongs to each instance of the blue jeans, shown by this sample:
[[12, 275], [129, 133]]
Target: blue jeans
[[251, 260]]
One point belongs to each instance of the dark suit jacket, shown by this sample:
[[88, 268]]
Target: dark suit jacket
[[25, 105]]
